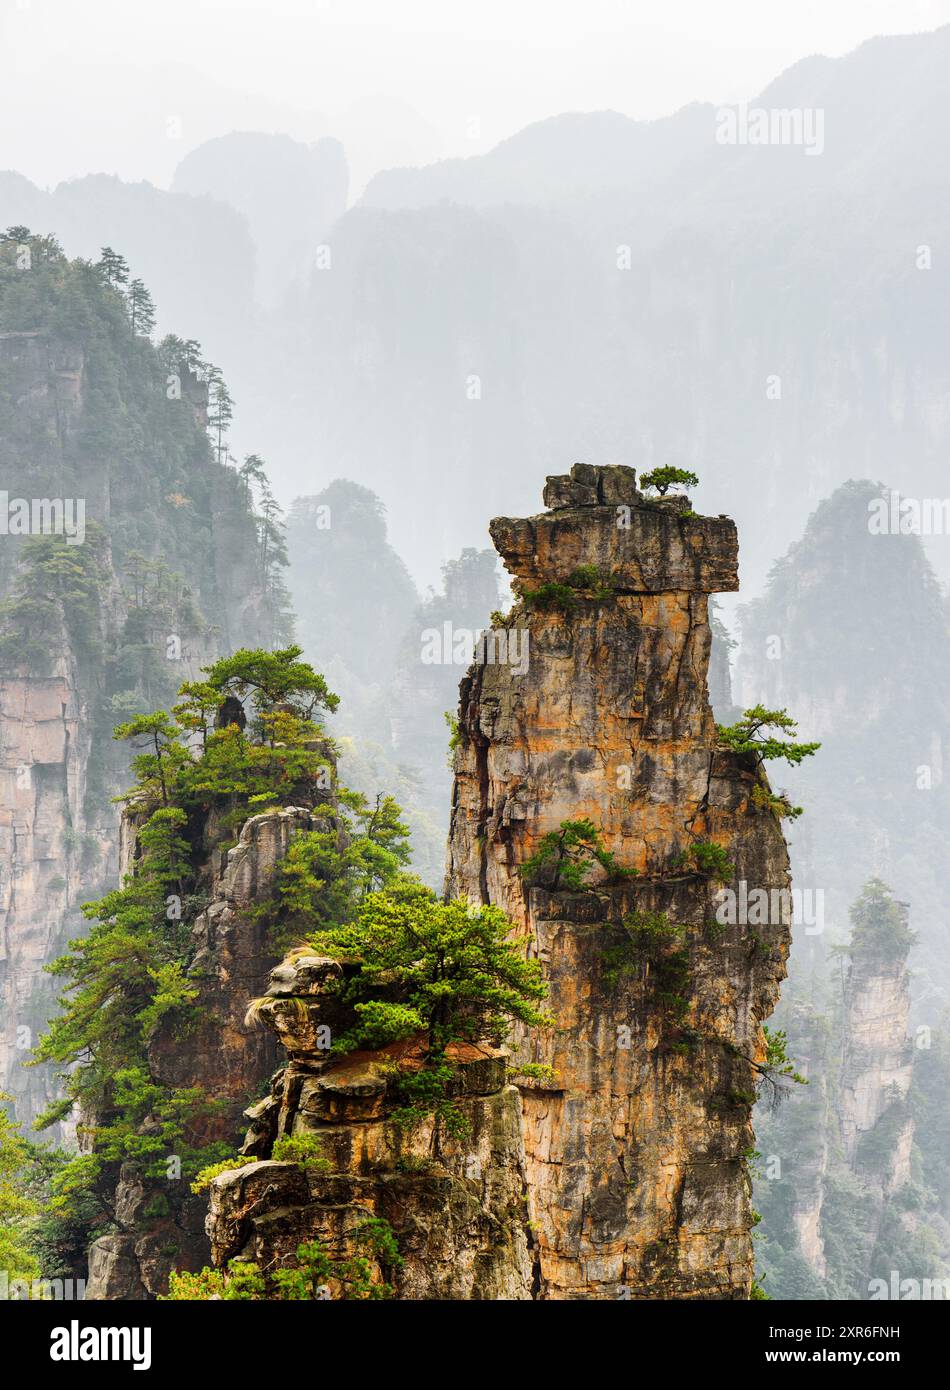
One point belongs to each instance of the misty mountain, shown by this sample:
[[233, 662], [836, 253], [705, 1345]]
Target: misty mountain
[[289, 194], [851, 636], [640, 293], [196, 255]]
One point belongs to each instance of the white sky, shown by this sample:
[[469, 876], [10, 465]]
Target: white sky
[[97, 85]]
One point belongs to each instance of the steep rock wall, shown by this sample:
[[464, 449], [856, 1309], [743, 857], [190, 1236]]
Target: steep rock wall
[[59, 771], [456, 1207], [229, 1059], [634, 1152]]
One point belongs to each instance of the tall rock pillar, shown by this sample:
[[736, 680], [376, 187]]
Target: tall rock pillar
[[589, 701]]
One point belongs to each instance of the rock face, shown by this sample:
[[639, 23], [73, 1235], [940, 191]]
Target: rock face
[[456, 1207], [45, 836], [225, 1056], [59, 771], [875, 1126], [877, 1063], [591, 702]]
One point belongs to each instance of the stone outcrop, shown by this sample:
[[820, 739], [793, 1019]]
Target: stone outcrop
[[456, 1206], [634, 1150], [59, 829], [872, 1119], [52, 857], [620, 1169], [227, 1057], [877, 1063]]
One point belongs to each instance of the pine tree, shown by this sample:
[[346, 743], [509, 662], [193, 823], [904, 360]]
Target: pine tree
[[220, 412], [141, 309], [252, 473], [113, 268]]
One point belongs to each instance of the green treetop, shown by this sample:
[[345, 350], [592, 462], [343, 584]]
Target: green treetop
[[272, 679], [450, 970], [662, 479], [329, 872], [18, 1209], [879, 923], [749, 735]]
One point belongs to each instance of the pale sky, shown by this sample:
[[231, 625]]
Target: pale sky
[[129, 86]]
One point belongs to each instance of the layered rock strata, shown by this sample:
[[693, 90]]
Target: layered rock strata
[[637, 1182], [226, 1057], [455, 1205]]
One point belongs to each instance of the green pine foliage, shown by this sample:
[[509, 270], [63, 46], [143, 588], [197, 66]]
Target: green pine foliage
[[129, 975], [441, 972], [706, 858], [328, 873], [19, 1210], [317, 1276], [752, 734], [565, 858], [662, 479], [879, 927]]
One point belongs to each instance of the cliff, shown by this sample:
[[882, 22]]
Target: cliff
[[851, 635], [161, 579], [618, 1166], [456, 1207], [634, 1151], [161, 1224], [849, 1193]]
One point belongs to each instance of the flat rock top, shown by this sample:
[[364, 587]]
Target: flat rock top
[[600, 521]]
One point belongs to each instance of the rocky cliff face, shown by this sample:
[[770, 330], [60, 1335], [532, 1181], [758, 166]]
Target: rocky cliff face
[[874, 1122], [623, 1172], [229, 1059], [84, 413], [44, 745], [634, 1151], [44, 755], [457, 1209], [849, 1195], [877, 1064], [851, 636]]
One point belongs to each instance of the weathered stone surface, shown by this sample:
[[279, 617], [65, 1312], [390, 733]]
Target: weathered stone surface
[[635, 1180], [657, 547], [586, 486], [113, 1266], [53, 856], [263, 843], [459, 1219], [226, 1055], [456, 1205]]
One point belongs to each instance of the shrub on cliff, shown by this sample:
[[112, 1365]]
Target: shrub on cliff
[[130, 974], [327, 873], [317, 1276], [449, 971], [750, 735], [760, 733], [662, 479], [566, 856]]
